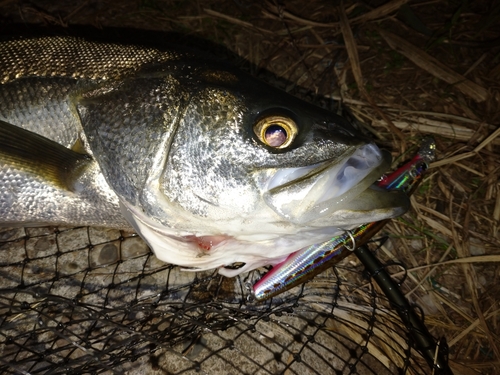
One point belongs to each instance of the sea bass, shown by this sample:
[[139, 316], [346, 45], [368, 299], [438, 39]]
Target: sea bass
[[213, 168]]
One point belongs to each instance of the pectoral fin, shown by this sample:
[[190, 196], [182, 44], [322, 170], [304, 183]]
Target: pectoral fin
[[27, 151]]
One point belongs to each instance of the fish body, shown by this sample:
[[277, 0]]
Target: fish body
[[210, 166]]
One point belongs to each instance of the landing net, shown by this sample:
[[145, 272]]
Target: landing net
[[95, 301]]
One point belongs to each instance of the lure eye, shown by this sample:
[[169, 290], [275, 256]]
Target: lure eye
[[276, 131]]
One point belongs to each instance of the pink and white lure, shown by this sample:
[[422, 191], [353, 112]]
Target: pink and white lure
[[306, 263]]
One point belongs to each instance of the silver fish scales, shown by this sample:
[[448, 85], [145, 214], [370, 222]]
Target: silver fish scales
[[210, 166]]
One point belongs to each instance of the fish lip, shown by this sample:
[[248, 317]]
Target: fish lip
[[325, 187], [333, 164]]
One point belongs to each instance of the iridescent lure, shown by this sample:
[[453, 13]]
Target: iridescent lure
[[306, 263]]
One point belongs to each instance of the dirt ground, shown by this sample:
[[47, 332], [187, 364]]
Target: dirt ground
[[405, 69]]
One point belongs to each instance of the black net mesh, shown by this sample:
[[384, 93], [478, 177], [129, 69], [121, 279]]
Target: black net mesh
[[85, 300]]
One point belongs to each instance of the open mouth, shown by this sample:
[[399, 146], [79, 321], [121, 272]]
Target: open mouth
[[343, 175], [303, 195]]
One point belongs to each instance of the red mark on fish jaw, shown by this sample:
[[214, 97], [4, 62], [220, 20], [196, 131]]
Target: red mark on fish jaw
[[205, 243]]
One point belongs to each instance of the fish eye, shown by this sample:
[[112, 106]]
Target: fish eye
[[276, 131]]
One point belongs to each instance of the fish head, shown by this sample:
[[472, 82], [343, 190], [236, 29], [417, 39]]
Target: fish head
[[238, 171], [242, 147]]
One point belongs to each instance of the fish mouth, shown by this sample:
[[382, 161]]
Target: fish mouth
[[340, 193]]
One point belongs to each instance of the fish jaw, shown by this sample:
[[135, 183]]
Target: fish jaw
[[191, 251], [335, 192]]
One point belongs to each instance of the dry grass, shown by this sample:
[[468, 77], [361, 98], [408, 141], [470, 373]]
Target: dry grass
[[403, 84]]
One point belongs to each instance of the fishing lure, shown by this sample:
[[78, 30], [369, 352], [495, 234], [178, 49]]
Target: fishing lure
[[306, 263]]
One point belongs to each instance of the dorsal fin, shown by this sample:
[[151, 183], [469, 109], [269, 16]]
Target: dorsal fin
[[40, 156]]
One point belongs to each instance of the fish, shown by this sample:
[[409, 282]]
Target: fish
[[306, 263], [213, 168]]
